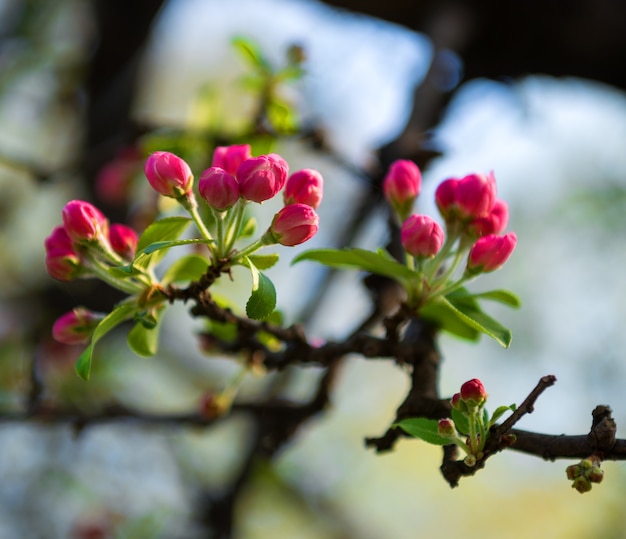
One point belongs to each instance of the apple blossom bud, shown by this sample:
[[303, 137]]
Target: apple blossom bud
[[473, 392], [304, 187], [596, 474], [261, 178], [469, 198], [84, 222], [490, 252], [445, 198], [421, 236], [494, 223], [455, 401], [294, 224], [218, 188], [123, 240], [76, 326], [62, 261], [230, 157], [446, 428], [572, 471], [402, 185], [169, 175]]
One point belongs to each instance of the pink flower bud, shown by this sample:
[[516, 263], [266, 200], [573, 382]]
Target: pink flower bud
[[421, 236], [469, 198], [114, 179], [494, 223], [294, 224], [446, 428], [473, 392], [230, 157], [169, 175], [455, 401], [475, 195], [445, 197], [84, 222], [261, 178], [490, 252], [304, 187], [123, 240], [76, 326], [402, 185], [218, 188], [62, 261]]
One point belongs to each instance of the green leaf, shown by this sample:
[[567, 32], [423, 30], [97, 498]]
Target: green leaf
[[502, 296], [169, 228], [469, 311], [447, 319], [144, 341], [426, 429], [499, 411], [250, 52], [187, 268], [248, 228], [118, 315], [163, 230], [460, 421], [264, 262], [262, 301], [380, 262]]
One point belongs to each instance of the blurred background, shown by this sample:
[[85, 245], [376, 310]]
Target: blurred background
[[534, 92]]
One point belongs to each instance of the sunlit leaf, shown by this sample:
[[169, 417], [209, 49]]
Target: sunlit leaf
[[118, 315], [380, 262], [425, 429]]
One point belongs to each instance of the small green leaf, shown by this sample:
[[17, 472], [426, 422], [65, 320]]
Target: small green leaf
[[499, 411], [163, 230], [248, 228], [155, 251], [447, 319], [469, 311], [169, 228], [380, 263], [262, 301], [460, 421], [250, 52], [118, 315], [187, 268], [144, 341], [264, 262], [426, 429], [501, 296]]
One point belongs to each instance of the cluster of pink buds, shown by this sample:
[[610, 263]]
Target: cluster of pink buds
[[87, 245], [474, 220], [234, 179]]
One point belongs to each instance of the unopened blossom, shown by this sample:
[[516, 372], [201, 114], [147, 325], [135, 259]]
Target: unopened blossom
[[421, 236], [494, 223], [402, 185], [446, 428], [294, 224], [490, 252], [230, 157], [304, 187], [84, 222], [169, 175], [261, 178], [62, 261], [123, 240], [473, 392], [468, 198], [218, 188], [76, 326]]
